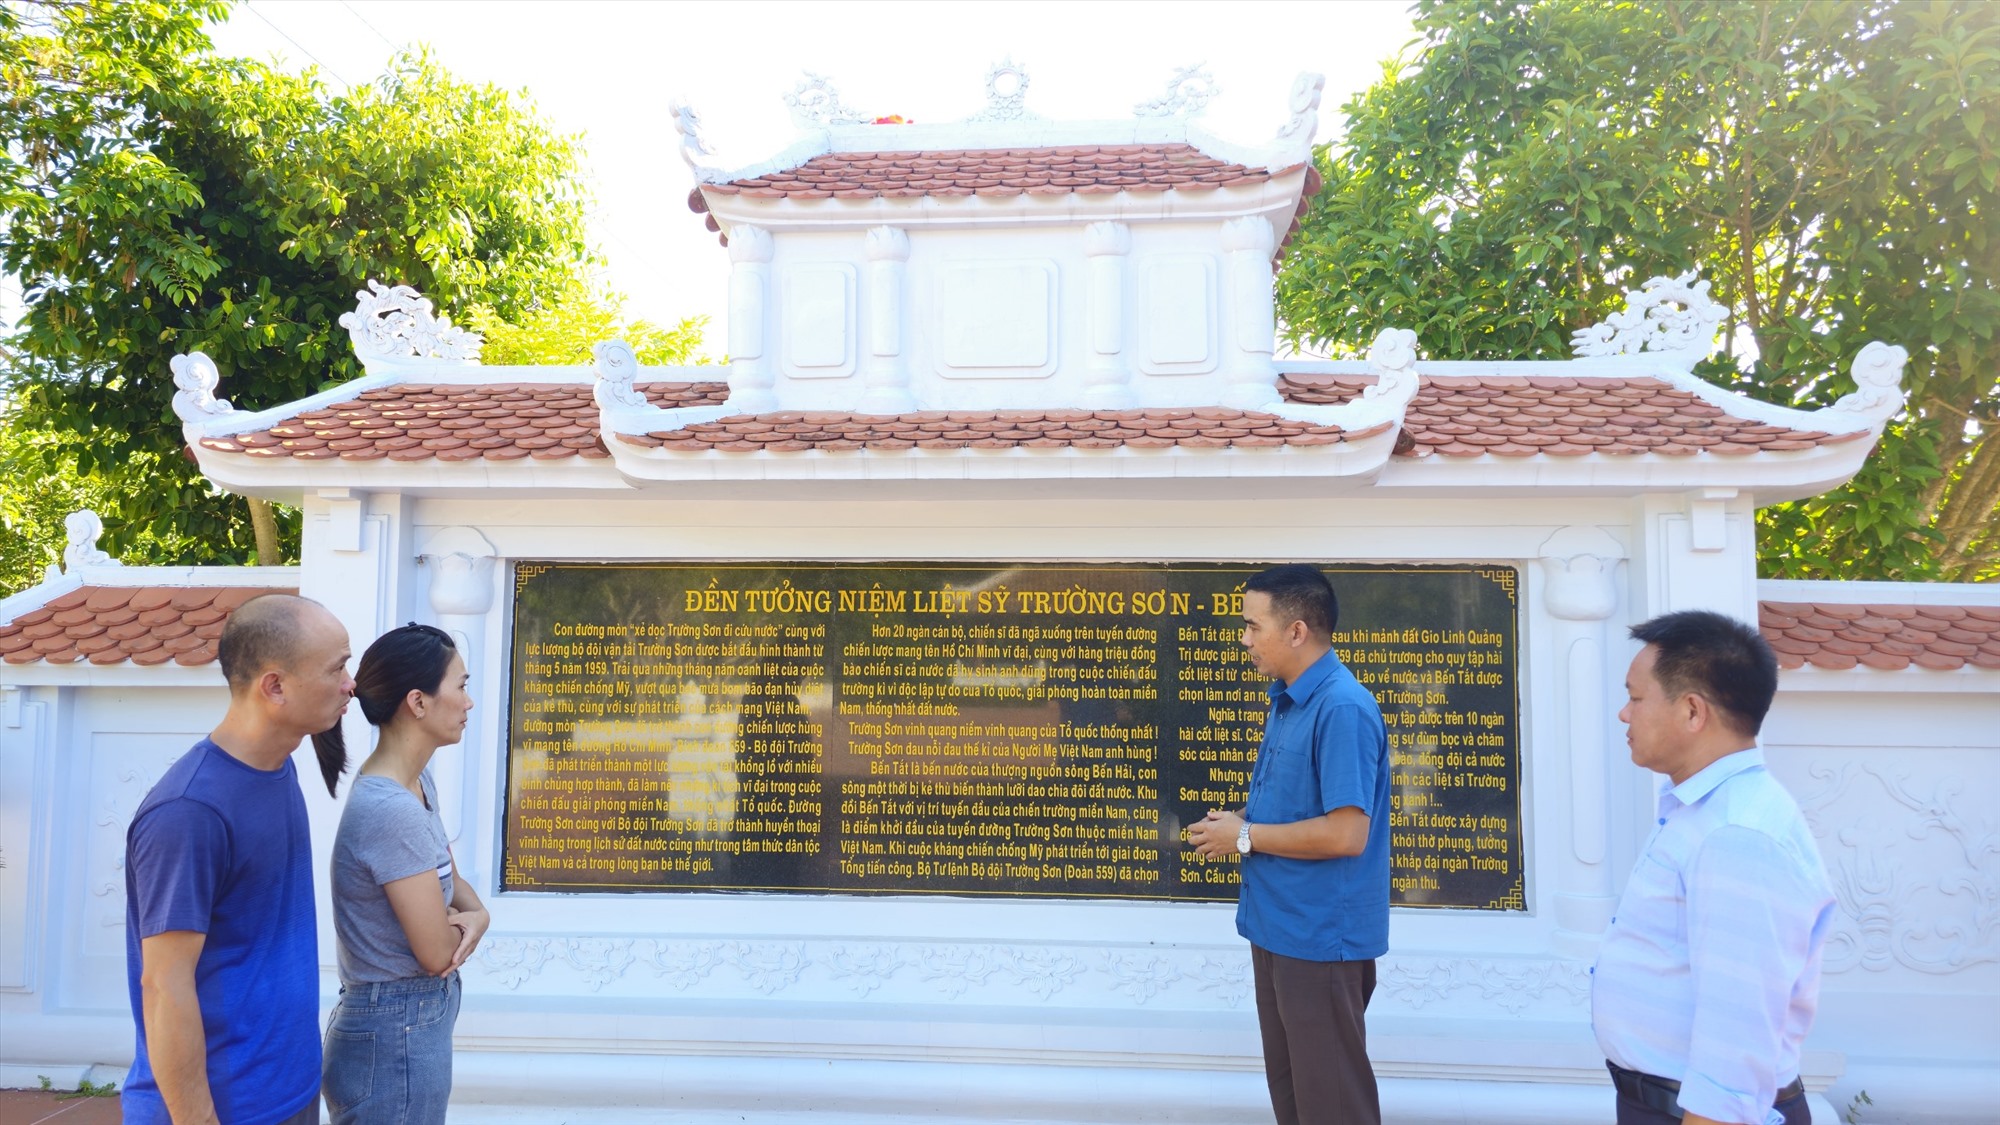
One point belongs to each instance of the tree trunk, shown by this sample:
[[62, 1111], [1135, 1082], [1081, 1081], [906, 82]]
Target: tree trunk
[[265, 526]]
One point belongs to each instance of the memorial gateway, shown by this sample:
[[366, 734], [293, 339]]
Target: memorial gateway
[[839, 710]]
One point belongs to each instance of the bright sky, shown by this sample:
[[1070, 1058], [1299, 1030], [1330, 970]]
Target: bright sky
[[608, 69]]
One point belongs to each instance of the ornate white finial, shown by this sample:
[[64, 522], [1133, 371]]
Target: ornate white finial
[[688, 124], [1100, 239], [391, 322], [1673, 316], [84, 528], [887, 244], [196, 377], [1304, 104], [1393, 361], [617, 369], [1188, 92], [1006, 93], [1878, 383], [815, 104]]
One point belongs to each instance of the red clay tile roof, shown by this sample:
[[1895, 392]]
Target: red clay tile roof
[[418, 422], [1525, 415], [1837, 637], [1080, 169], [113, 624], [1200, 428], [1451, 416]]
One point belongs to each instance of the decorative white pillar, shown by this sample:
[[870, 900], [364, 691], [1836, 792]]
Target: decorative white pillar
[[750, 374], [1252, 316], [885, 377], [461, 561], [1107, 378], [26, 843], [1578, 565]]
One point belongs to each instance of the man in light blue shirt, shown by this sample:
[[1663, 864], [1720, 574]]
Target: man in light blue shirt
[[1314, 842], [1708, 977]]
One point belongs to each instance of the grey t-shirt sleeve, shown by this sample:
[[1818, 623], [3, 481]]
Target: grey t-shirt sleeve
[[397, 840]]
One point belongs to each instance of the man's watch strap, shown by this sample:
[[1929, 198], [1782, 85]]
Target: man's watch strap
[[1243, 839]]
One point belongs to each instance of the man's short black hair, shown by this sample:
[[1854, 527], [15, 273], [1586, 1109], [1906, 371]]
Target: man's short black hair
[[261, 634], [1299, 593], [1716, 657]]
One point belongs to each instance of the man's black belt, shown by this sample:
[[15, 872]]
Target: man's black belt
[[1663, 1094]]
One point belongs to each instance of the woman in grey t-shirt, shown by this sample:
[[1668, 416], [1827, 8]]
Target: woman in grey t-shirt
[[404, 919]]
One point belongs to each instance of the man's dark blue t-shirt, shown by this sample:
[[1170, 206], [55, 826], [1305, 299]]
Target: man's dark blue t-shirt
[[1324, 748], [222, 849]]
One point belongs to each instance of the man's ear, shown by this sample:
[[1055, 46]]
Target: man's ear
[[1697, 713], [271, 687]]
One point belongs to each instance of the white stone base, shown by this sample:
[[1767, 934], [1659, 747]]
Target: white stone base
[[491, 1089]]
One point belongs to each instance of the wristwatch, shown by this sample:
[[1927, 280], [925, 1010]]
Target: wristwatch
[[1243, 839]]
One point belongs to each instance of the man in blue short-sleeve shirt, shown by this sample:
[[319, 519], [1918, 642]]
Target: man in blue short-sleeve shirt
[[221, 949], [1314, 841]]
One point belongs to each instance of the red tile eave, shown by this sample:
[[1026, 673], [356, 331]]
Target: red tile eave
[[1451, 417], [452, 422], [1836, 637], [999, 172], [1559, 416], [1032, 430], [144, 625], [1005, 173]]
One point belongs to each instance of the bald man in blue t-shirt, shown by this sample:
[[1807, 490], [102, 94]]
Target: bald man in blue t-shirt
[[221, 949]]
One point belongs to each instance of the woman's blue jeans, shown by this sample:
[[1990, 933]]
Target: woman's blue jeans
[[388, 1052]]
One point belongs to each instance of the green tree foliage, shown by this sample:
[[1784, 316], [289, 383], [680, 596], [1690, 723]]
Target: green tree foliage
[[35, 502], [159, 198], [574, 318], [1831, 166]]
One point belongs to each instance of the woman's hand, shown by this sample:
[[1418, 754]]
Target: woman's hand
[[471, 925]]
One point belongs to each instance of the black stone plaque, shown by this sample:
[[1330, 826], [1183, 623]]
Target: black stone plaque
[[1038, 730]]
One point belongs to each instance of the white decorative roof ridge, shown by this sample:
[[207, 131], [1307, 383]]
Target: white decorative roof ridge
[[55, 585], [1877, 369], [1669, 324], [233, 422], [1392, 359], [397, 339], [842, 131], [622, 409], [1878, 376]]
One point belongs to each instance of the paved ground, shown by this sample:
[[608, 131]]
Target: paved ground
[[31, 1107]]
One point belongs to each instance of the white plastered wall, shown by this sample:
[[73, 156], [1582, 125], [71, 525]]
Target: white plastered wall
[[1043, 1010], [1118, 986]]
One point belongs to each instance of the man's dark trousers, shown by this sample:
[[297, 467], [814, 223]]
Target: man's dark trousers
[[1315, 1042], [1632, 1113]]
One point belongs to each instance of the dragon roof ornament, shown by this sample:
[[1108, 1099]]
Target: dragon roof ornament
[[397, 322], [687, 123], [1392, 359], [1673, 317], [623, 408], [195, 380], [815, 104], [1188, 92], [1878, 384], [82, 528], [828, 125]]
